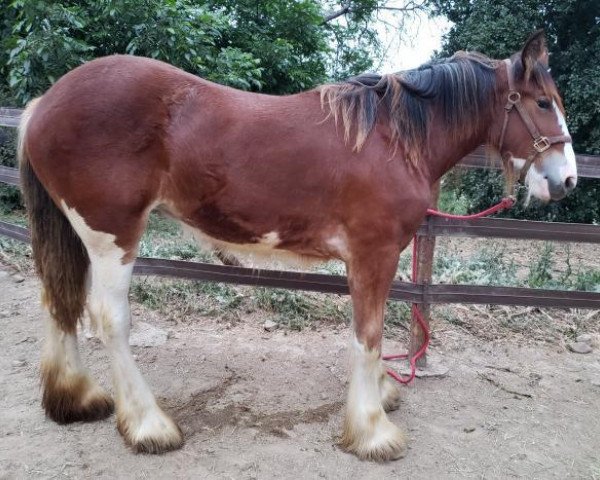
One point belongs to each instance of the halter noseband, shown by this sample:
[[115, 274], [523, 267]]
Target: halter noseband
[[541, 143]]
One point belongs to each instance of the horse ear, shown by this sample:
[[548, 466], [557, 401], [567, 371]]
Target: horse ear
[[535, 50]]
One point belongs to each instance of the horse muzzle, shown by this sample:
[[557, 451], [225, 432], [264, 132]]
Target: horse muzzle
[[561, 181], [559, 188]]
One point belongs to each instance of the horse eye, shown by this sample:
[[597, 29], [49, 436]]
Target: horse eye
[[544, 103]]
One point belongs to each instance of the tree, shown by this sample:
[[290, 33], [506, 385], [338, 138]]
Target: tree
[[498, 28], [286, 37], [48, 38], [276, 46]]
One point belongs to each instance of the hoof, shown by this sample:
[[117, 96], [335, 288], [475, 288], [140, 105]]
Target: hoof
[[152, 432], [390, 394], [74, 398], [380, 440]]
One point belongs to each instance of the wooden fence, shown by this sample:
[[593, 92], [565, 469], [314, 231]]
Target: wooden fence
[[423, 292]]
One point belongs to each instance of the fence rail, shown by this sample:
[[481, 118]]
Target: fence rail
[[404, 291], [10, 117], [588, 166]]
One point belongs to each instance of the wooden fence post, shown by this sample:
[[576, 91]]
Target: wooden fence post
[[425, 252]]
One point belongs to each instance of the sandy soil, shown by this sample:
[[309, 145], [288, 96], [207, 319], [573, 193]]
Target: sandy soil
[[258, 405]]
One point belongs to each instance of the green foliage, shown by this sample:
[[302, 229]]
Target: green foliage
[[286, 37], [479, 189], [452, 201], [397, 314], [540, 272], [499, 28], [296, 309], [276, 46], [356, 46], [486, 267], [10, 198], [46, 39]]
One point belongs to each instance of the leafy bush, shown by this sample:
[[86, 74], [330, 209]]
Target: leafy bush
[[276, 46], [10, 198], [479, 189]]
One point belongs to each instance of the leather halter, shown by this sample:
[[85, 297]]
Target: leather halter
[[541, 143]]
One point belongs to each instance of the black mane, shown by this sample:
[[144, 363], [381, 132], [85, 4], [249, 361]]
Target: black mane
[[459, 88]]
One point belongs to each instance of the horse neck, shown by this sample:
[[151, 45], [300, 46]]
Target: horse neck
[[445, 151]]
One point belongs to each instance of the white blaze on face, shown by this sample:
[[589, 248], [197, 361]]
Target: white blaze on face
[[571, 167], [537, 185], [555, 164]]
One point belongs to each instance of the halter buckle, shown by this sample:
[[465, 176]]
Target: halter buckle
[[541, 144]]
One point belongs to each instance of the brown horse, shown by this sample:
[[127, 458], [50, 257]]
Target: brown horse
[[341, 172]]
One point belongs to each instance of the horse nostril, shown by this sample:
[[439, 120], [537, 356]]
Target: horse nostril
[[570, 183]]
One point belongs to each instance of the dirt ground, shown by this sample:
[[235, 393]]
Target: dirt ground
[[259, 405]]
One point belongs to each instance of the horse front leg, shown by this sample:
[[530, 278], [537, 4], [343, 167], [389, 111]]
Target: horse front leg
[[368, 433]]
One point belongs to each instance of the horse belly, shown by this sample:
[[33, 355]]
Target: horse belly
[[265, 242], [263, 252]]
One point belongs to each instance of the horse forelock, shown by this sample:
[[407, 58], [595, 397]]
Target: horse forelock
[[460, 88], [541, 76]]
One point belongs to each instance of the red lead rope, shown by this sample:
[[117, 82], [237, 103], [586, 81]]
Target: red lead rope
[[506, 203]]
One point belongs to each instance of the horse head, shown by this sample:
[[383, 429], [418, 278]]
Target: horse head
[[531, 134]]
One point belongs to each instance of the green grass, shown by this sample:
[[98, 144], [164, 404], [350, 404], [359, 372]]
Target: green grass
[[296, 310], [15, 254], [492, 267], [186, 297], [16, 216], [163, 238], [544, 274], [292, 309], [540, 270], [397, 314], [586, 280], [486, 267]]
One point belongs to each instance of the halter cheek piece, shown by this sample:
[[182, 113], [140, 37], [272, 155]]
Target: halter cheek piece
[[540, 143]]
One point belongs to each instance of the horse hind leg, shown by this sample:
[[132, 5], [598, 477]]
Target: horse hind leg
[[69, 393], [142, 423]]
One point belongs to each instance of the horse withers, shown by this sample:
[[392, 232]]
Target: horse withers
[[344, 171]]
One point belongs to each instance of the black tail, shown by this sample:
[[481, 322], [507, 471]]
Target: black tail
[[60, 256]]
